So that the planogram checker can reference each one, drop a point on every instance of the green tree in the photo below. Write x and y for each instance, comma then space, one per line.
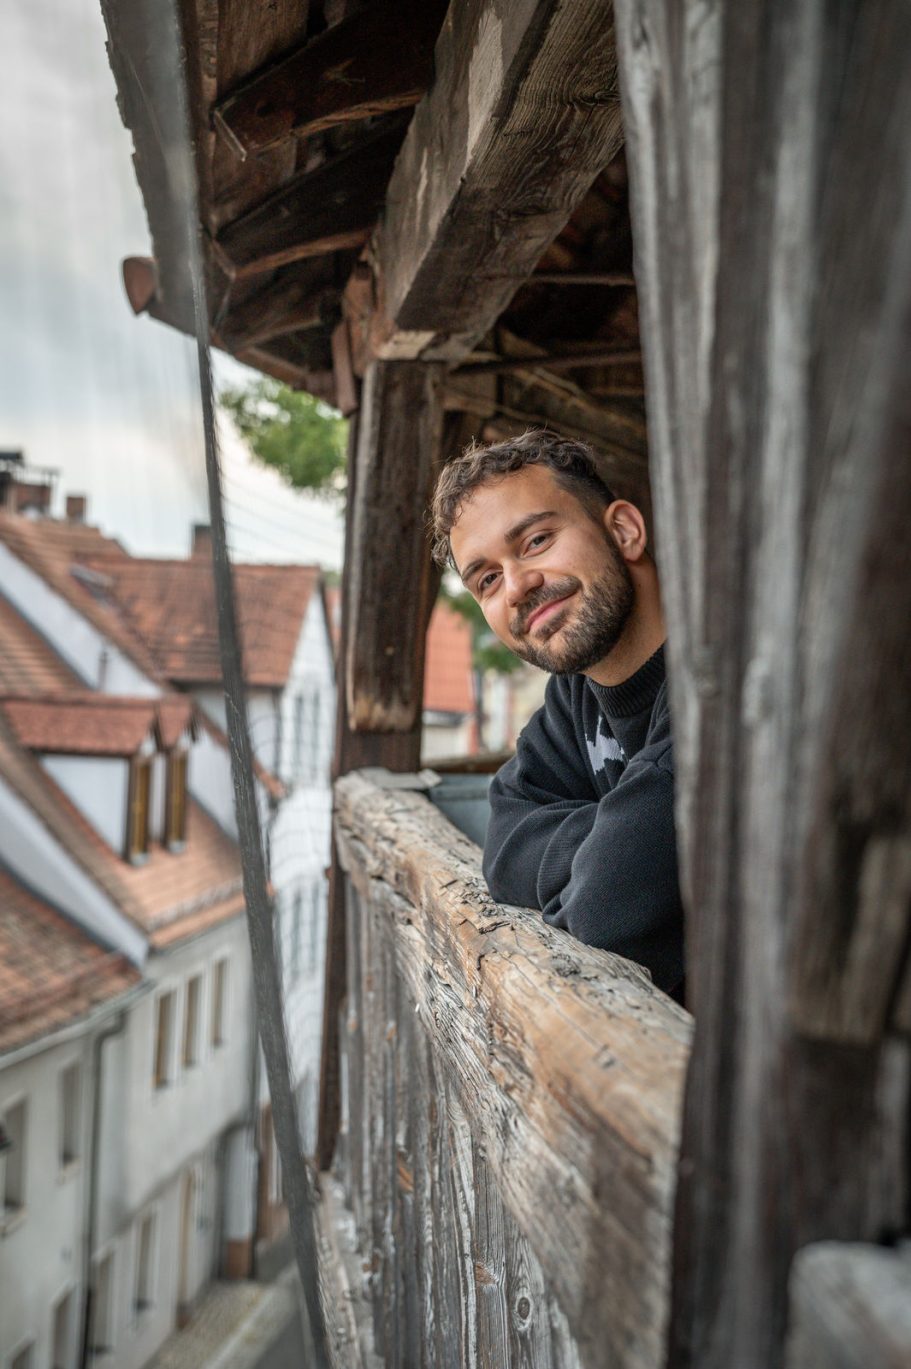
299, 436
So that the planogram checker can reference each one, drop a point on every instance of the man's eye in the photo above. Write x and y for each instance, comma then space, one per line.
486, 581
536, 540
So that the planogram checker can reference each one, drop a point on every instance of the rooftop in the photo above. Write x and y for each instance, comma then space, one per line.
170, 606
28, 664
51, 972
170, 896
82, 723
54, 550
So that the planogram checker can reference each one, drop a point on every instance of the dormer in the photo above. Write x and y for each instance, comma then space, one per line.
122, 762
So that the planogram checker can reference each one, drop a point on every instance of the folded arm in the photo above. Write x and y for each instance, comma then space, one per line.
604, 868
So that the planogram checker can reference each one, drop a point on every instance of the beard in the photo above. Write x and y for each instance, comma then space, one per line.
600, 614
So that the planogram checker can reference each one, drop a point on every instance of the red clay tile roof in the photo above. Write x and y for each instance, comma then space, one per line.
448, 686
51, 973
53, 549
87, 724
28, 665
170, 605
164, 892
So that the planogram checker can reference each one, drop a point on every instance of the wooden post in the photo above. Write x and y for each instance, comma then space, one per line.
387, 591
771, 196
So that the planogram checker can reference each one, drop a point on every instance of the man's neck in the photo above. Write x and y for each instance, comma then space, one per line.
643, 635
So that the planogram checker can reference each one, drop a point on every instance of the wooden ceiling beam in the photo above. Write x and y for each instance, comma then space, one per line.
608, 278
347, 73
514, 88
330, 208
301, 296
553, 361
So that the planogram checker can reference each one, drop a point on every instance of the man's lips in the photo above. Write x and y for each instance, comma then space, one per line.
541, 614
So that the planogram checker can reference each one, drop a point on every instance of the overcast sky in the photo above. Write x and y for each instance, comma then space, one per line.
108, 399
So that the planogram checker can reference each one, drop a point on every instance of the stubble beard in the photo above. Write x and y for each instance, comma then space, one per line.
600, 614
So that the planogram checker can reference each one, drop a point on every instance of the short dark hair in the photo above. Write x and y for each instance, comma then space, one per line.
573, 465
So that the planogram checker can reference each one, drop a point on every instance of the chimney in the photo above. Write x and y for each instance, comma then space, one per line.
202, 540
31, 496
76, 508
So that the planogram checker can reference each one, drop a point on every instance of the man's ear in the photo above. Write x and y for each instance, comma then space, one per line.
625, 524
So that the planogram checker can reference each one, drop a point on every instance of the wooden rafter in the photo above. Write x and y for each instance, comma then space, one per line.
303, 295
343, 75
554, 361
457, 244
317, 212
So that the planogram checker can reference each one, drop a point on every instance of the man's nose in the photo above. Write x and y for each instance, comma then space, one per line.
520, 581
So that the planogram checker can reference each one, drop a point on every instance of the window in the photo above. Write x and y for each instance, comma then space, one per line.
102, 1329
138, 817
13, 1159
297, 755
315, 916
164, 1029
145, 1264
25, 1359
191, 1022
176, 823
70, 1098
219, 1001
62, 1334
297, 917
305, 762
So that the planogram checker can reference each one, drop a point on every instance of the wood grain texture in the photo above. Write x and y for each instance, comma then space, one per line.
399, 447
304, 295
522, 115
850, 1308
330, 208
342, 75
541, 1084
775, 333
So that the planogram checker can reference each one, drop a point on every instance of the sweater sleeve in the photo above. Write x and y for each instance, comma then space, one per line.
603, 868
542, 805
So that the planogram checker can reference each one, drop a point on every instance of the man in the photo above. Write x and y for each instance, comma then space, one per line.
582, 817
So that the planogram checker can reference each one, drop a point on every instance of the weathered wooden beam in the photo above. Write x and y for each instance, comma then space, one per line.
348, 72
515, 87
566, 1067
850, 1307
391, 461
777, 352
551, 361
611, 278
280, 368
318, 211
398, 448
304, 295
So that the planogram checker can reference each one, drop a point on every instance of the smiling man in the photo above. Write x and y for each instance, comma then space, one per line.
582, 817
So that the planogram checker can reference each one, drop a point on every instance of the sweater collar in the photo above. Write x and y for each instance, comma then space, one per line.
635, 694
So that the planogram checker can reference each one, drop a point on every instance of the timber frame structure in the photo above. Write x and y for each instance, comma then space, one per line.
429, 215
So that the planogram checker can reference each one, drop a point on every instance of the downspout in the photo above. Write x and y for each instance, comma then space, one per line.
90, 1224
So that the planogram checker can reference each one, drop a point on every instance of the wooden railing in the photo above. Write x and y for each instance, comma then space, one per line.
510, 1111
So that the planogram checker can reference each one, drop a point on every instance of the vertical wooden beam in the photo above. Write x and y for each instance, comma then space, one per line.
771, 196
398, 451
388, 587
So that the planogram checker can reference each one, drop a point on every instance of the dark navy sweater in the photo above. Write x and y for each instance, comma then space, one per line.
582, 819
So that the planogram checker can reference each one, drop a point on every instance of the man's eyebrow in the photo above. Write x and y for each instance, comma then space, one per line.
513, 535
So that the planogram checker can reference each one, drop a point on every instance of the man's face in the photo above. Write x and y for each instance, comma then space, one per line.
547, 574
